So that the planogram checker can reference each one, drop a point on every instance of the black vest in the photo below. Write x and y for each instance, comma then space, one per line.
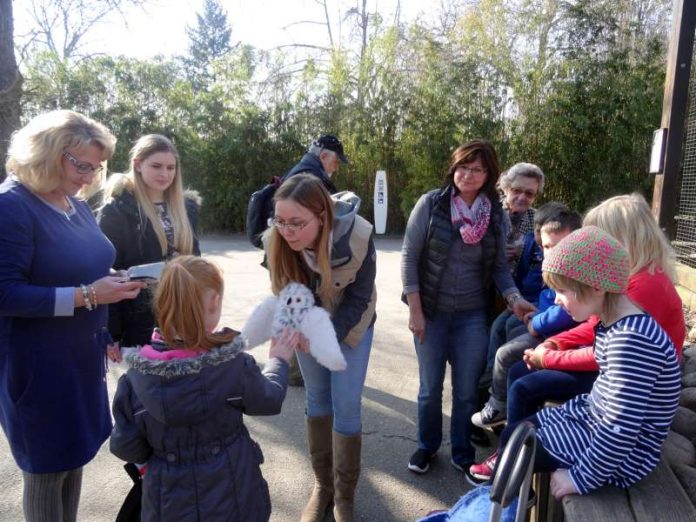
440, 238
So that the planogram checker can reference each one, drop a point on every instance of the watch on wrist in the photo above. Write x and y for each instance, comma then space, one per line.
513, 298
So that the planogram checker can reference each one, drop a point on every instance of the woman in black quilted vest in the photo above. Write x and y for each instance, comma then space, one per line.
453, 255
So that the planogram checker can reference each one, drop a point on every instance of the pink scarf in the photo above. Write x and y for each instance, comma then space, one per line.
471, 222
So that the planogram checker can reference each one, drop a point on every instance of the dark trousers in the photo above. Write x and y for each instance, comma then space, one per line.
529, 389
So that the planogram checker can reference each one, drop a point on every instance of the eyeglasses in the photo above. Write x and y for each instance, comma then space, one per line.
292, 227
83, 168
474, 171
529, 194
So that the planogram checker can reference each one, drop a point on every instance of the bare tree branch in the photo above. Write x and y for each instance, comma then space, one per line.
69, 21
328, 21
309, 46
314, 22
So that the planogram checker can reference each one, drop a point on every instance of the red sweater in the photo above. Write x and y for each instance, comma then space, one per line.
654, 293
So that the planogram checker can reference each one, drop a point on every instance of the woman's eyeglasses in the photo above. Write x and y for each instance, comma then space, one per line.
292, 227
83, 168
474, 171
529, 194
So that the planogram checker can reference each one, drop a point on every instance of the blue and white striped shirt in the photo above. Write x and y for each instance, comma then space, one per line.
614, 434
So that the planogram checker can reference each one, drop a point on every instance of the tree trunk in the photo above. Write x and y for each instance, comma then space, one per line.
10, 82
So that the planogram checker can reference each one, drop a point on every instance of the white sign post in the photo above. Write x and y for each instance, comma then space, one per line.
381, 202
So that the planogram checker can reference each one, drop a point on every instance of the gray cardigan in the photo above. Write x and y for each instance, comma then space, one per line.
462, 286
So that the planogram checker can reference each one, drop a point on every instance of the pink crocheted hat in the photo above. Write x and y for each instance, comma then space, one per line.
592, 257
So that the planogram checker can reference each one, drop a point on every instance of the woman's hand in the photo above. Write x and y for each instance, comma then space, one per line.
303, 345
416, 323
521, 307
285, 344
113, 352
112, 289
561, 485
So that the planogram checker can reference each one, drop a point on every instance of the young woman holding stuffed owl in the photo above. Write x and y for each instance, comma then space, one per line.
320, 241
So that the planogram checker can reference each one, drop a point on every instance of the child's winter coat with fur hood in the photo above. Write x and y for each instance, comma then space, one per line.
181, 412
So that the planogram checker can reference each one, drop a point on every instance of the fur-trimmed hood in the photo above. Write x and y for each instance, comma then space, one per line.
190, 384
120, 186
187, 366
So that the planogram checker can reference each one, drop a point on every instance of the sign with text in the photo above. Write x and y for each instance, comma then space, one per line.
381, 202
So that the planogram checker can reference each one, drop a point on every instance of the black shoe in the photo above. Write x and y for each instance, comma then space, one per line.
478, 437
458, 465
420, 461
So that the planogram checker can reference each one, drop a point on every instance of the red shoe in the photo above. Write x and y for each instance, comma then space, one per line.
484, 471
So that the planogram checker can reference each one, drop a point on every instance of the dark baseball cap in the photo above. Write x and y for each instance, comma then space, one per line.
330, 142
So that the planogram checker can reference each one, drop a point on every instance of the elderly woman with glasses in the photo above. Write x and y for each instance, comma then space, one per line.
319, 240
520, 185
54, 291
453, 256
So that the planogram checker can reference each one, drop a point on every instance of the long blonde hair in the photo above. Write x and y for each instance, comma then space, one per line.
145, 147
180, 302
36, 150
286, 265
628, 218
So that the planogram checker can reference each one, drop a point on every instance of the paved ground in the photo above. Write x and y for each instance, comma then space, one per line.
387, 491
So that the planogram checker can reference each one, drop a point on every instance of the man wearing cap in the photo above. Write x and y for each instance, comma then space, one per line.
322, 160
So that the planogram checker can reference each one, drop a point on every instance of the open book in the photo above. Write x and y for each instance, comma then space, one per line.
150, 272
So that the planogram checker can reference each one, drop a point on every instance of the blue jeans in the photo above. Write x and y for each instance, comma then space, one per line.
459, 338
338, 393
528, 389
507, 355
504, 328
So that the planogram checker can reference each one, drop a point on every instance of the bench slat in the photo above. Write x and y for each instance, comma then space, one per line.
659, 496
607, 503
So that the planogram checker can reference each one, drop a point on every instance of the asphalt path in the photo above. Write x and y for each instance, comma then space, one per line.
387, 490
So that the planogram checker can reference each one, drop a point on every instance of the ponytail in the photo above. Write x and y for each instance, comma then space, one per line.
180, 305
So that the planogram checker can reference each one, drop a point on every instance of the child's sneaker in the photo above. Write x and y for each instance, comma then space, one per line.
484, 471
488, 417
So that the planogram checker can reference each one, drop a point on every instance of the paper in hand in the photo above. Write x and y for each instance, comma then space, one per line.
149, 272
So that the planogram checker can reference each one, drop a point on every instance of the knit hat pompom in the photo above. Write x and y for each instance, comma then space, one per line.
592, 257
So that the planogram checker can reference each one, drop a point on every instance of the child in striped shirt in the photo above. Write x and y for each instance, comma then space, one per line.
614, 433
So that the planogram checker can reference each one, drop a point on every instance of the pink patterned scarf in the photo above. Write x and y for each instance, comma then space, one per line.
471, 222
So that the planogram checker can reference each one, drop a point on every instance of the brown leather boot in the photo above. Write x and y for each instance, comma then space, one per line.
321, 454
346, 473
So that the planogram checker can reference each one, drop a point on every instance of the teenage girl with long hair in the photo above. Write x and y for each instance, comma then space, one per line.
149, 217
319, 240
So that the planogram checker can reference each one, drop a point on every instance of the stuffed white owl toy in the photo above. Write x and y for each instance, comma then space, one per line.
294, 308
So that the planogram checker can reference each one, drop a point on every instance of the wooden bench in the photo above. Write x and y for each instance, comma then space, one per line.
658, 497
